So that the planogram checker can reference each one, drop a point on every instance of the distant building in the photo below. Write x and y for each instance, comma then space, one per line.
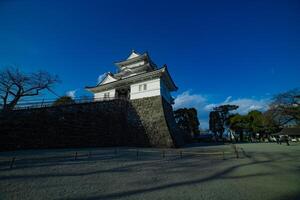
137, 77
292, 132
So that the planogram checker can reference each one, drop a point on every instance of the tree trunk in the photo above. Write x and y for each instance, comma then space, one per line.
11, 105
241, 136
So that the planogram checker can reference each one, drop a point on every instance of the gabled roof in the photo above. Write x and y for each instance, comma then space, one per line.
133, 55
109, 77
133, 70
290, 131
136, 57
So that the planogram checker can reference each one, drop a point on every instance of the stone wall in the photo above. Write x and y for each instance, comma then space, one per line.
140, 122
157, 120
90, 124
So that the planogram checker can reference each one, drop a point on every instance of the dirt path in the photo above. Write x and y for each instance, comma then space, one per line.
269, 171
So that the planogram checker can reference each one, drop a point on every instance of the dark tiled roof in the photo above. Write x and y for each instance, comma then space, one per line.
289, 131
131, 60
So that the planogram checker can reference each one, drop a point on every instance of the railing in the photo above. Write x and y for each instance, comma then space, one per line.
121, 154
27, 104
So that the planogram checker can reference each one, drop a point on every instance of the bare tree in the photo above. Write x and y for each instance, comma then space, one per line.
15, 85
285, 108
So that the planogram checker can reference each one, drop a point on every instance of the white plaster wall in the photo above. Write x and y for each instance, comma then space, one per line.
134, 64
153, 89
100, 95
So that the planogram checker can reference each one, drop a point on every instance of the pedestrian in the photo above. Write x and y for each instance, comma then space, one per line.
287, 140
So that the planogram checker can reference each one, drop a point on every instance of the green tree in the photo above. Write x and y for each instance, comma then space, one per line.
218, 119
254, 122
64, 100
271, 124
239, 124
187, 120
258, 123
215, 123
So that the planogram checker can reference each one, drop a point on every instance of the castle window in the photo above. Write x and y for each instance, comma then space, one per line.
142, 87
106, 95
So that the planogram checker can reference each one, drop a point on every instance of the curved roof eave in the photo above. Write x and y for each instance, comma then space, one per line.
175, 88
131, 60
157, 73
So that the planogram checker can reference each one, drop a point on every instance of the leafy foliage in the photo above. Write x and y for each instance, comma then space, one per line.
216, 123
187, 120
64, 100
218, 118
254, 122
284, 109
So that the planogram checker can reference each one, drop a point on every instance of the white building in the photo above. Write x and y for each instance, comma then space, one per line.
137, 77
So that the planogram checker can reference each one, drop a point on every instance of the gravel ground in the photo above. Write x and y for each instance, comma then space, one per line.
262, 171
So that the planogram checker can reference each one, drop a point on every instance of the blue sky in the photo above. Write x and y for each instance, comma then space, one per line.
239, 52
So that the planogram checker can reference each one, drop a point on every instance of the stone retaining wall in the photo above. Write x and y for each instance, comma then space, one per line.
140, 122
157, 120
